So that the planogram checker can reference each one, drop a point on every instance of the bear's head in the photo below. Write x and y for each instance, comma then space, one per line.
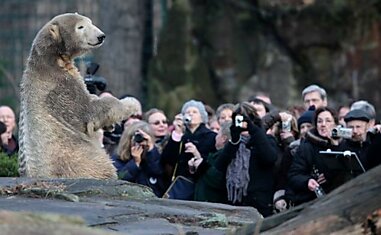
68, 35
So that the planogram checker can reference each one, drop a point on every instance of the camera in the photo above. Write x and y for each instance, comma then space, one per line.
286, 126
187, 119
341, 132
373, 130
3, 128
138, 138
94, 83
238, 121
319, 191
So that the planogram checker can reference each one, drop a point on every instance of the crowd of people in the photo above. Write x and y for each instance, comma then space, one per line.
245, 154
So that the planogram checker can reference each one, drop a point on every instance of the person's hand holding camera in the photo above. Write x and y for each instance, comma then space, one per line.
178, 124
313, 184
136, 153
5, 137
196, 160
146, 139
191, 148
239, 124
250, 126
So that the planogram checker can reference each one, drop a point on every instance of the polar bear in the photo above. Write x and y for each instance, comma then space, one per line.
58, 116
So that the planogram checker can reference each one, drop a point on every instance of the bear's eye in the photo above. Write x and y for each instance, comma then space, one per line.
80, 27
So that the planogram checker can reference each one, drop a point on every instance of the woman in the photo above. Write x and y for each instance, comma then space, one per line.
224, 112
251, 158
159, 125
137, 159
211, 183
309, 173
190, 134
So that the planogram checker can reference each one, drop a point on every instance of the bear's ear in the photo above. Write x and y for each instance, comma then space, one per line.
55, 32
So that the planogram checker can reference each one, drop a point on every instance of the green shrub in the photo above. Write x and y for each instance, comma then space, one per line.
9, 165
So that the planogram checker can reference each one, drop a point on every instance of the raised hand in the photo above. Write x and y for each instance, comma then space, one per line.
179, 124
136, 153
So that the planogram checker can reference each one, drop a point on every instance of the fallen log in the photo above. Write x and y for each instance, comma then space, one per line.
353, 208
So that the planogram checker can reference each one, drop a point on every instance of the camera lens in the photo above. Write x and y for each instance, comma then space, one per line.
187, 119
138, 138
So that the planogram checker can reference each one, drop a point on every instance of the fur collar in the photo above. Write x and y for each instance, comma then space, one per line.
314, 137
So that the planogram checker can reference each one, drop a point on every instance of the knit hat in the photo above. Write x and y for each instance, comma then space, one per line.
357, 114
199, 105
307, 116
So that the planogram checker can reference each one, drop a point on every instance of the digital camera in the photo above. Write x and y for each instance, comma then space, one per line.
341, 132
187, 119
238, 121
319, 191
286, 125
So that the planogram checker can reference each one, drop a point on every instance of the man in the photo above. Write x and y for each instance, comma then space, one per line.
342, 111
368, 108
314, 95
359, 121
8, 140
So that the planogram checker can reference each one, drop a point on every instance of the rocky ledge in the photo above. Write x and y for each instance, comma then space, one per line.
87, 206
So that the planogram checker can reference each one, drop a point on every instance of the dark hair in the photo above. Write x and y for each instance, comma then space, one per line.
328, 109
248, 110
209, 110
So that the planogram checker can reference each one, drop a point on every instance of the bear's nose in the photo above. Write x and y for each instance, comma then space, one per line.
101, 38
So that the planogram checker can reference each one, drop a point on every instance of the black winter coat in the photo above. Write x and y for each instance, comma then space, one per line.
374, 152
173, 153
260, 190
307, 162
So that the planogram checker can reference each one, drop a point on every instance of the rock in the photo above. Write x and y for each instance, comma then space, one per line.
113, 206
24, 223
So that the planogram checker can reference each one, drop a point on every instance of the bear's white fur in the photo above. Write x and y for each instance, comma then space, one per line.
59, 117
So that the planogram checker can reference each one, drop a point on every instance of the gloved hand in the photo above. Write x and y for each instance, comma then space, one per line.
194, 163
250, 126
235, 131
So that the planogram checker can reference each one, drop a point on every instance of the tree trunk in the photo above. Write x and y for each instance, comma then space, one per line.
121, 55
353, 208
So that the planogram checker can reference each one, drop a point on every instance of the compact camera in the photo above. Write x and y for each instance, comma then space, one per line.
342, 132
138, 138
238, 121
286, 125
319, 191
187, 119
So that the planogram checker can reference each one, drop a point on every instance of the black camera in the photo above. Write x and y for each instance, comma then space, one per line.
94, 83
3, 128
138, 138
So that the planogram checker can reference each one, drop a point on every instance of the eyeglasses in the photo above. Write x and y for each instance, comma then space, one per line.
164, 122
